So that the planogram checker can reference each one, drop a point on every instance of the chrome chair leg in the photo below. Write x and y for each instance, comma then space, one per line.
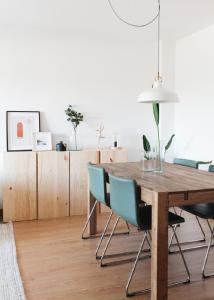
103, 234
140, 292
87, 222
204, 275
108, 242
182, 255
107, 235
191, 241
129, 294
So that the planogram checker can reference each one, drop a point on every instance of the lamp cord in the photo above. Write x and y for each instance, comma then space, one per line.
159, 13
157, 16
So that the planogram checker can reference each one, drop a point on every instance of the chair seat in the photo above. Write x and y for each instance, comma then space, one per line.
204, 211
146, 218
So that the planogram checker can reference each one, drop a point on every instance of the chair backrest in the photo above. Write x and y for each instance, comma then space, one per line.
97, 182
211, 168
186, 162
124, 198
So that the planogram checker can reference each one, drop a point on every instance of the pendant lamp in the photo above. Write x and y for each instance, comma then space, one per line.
157, 93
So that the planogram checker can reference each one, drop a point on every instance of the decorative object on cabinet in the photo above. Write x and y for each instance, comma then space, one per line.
61, 146
100, 135
20, 126
42, 141
75, 118
115, 141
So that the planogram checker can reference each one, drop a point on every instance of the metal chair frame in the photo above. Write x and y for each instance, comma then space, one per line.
204, 274
104, 234
188, 242
145, 238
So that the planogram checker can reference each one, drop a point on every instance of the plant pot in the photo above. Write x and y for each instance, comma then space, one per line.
147, 161
159, 157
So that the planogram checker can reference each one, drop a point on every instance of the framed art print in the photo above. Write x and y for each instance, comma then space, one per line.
20, 126
42, 141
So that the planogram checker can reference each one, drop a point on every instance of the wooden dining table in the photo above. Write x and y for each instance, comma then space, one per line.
176, 186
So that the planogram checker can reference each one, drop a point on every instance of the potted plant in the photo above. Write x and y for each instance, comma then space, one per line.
160, 150
75, 118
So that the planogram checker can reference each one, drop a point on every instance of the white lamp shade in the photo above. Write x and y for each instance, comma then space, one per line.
157, 94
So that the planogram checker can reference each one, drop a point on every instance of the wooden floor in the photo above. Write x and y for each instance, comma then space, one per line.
56, 264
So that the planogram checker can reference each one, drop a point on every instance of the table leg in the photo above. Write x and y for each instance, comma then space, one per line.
92, 226
159, 273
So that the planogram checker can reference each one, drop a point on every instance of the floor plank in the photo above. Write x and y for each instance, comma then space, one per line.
56, 264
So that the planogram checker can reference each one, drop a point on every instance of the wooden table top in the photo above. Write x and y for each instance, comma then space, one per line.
175, 179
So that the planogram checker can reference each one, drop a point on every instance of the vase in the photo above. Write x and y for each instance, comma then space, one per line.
75, 144
147, 161
159, 157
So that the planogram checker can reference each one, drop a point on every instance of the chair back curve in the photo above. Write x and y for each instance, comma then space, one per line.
186, 162
97, 183
124, 198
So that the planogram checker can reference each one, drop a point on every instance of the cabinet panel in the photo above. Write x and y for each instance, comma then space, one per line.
20, 186
53, 184
79, 179
113, 155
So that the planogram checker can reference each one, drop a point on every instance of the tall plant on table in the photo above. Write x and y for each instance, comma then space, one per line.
159, 158
75, 118
146, 144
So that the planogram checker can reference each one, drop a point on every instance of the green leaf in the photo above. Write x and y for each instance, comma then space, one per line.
146, 144
169, 142
73, 116
156, 112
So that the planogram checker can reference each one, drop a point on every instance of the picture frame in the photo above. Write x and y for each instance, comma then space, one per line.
20, 126
42, 141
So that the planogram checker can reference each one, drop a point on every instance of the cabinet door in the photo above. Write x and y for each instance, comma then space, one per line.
113, 156
79, 179
20, 186
53, 184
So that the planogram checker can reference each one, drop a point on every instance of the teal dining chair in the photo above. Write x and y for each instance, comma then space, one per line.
195, 165
125, 201
205, 211
98, 188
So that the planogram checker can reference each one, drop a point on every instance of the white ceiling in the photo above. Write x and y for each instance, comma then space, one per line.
178, 17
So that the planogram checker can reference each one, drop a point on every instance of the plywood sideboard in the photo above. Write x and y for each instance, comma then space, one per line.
50, 184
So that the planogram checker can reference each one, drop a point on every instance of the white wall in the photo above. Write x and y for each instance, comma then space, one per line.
101, 77
194, 81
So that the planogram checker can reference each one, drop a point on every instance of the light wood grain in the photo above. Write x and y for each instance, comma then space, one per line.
55, 264
53, 184
113, 155
19, 187
79, 179
175, 179
159, 272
